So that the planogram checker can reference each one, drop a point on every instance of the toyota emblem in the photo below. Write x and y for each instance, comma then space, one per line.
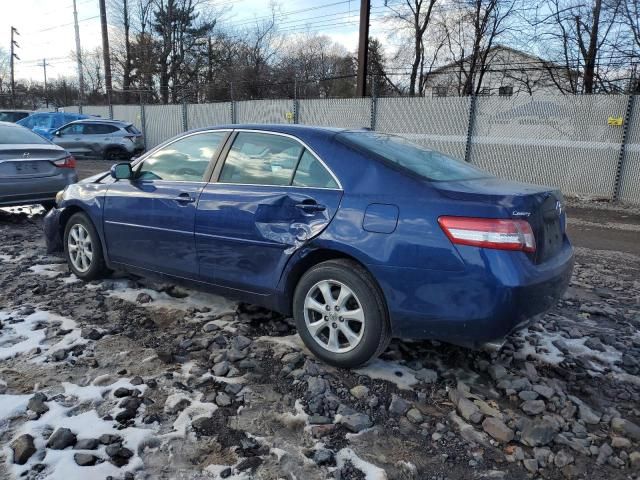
26, 155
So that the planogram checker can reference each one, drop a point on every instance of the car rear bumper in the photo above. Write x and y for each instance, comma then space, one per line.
16, 191
497, 293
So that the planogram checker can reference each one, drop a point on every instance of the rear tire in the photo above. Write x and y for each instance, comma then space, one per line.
82, 248
355, 332
117, 154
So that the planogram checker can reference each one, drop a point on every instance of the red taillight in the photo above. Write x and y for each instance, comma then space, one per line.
67, 162
495, 233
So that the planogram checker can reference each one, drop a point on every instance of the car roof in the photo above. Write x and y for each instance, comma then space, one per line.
11, 124
288, 128
100, 120
14, 110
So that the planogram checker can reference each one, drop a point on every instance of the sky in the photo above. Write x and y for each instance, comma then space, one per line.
46, 26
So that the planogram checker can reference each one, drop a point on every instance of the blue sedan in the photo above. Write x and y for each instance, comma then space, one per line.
361, 236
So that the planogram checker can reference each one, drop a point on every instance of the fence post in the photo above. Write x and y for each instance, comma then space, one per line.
470, 126
295, 100
374, 103
143, 122
233, 105
110, 110
623, 146
185, 121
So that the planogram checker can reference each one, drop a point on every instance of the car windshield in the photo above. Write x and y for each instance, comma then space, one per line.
429, 164
19, 135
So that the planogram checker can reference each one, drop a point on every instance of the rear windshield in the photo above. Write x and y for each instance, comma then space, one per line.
12, 116
132, 129
19, 135
426, 163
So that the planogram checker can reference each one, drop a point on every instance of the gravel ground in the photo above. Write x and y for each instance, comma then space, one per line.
128, 378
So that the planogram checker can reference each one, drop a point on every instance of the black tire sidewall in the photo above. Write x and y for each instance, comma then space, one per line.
368, 295
97, 262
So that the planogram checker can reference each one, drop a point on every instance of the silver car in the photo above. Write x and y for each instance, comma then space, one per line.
32, 169
98, 138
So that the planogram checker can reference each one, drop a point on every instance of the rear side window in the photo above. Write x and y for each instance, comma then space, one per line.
311, 173
261, 159
429, 164
19, 135
185, 160
99, 129
40, 121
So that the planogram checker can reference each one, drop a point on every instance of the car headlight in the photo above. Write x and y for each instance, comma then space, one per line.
59, 197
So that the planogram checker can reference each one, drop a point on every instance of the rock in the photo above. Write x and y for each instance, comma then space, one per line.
108, 439
137, 380
90, 333
546, 392
634, 459
604, 453
205, 426
415, 416
250, 463
562, 459
210, 327
626, 428
537, 433
469, 433
36, 403
542, 456
240, 342
122, 392
221, 369
356, 422
497, 429
528, 395
143, 298
531, 464
587, 415
359, 391
292, 358
233, 388
497, 372
533, 407
119, 455
125, 415
23, 447
469, 410
59, 355
620, 442
427, 375
226, 473
87, 444
85, 459
316, 386
223, 400
323, 456
398, 406
61, 439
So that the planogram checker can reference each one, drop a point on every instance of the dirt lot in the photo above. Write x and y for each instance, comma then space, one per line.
132, 379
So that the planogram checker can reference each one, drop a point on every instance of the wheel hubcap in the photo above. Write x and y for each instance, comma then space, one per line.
80, 248
334, 316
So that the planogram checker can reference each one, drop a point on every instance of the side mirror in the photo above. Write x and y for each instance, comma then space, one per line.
57, 133
121, 171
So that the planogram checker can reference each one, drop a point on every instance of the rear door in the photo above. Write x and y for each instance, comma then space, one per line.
273, 194
149, 220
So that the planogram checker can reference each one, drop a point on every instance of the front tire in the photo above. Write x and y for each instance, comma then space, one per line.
340, 313
82, 248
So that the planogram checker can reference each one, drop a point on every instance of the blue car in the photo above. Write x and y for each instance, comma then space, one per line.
45, 123
361, 236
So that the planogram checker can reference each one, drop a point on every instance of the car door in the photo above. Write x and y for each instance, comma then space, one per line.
69, 137
149, 220
97, 136
263, 206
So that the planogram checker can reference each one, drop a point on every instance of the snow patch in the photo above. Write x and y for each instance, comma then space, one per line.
50, 270
371, 472
392, 372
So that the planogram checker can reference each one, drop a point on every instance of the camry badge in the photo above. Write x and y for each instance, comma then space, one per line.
521, 214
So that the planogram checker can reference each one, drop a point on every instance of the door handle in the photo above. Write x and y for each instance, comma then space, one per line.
311, 207
184, 198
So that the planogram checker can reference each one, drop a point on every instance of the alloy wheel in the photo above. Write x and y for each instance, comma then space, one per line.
80, 247
334, 316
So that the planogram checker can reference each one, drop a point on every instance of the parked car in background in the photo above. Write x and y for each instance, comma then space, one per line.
361, 236
45, 123
111, 139
13, 115
32, 169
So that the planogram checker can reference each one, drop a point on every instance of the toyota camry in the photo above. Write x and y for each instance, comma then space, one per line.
360, 236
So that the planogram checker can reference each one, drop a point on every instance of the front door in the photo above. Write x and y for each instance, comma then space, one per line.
70, 138
272, 196
149, 220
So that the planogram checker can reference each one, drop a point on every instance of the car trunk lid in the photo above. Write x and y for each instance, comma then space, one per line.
542, 207
27, 161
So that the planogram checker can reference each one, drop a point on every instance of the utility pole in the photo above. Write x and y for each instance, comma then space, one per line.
105, 50
44, 66
78, 56
14, 31
363, 47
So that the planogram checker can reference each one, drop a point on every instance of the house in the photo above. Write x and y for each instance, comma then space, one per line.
507, 72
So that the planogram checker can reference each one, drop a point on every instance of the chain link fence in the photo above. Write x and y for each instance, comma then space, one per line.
585, 145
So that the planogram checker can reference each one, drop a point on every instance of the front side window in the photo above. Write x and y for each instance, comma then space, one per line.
429, 164
75, 129
311, 173
186, 159
261, 159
